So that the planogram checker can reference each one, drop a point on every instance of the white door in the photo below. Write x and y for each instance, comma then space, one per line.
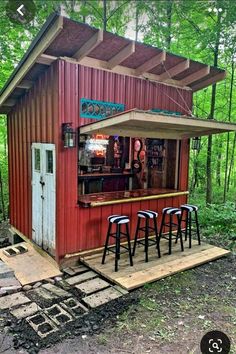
43, 196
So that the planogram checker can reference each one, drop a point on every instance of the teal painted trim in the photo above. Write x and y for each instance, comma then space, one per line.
164, 111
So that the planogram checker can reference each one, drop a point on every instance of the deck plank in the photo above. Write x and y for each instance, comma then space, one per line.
157, 268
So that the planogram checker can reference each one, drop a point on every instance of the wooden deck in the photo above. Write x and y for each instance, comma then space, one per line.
157, 268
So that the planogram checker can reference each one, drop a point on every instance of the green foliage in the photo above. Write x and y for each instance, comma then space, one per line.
183, 27
218, 222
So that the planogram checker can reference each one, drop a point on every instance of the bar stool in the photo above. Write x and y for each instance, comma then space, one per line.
186, 217
118, 220
147, 215
171, 212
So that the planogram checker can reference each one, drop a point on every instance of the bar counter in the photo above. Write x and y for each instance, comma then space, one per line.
110, 198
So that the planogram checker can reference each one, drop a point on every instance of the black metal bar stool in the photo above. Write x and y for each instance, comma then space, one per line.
171, 212
147, 215
118, 220
186, 216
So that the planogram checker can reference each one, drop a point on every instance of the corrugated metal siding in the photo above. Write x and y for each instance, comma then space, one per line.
78, 228
34, 119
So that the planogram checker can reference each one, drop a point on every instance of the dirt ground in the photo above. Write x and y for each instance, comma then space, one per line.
168, 316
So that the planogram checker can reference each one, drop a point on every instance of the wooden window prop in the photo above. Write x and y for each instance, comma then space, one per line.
99, 109
156, 154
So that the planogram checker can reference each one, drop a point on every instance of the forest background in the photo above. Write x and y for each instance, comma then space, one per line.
201, 30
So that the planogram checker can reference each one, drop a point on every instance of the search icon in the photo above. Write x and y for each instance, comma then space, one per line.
215, 342
215, 346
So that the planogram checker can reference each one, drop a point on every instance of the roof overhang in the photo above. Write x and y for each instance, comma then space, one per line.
62, 38
146, 124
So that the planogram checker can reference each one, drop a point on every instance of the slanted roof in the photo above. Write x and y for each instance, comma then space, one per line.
148, 124
61, 37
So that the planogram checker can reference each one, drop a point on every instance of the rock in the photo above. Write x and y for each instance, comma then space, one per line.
50, 280
27, 287
37, 285
58, 278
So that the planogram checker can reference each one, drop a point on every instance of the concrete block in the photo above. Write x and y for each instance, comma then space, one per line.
69, 271
43, 293
81, 277
8, 301
11, 289
9, 282
80, 269
25, 310
92, 285
5, 271
121, 290
2, 292
37, 285
56, 290
41, 324
101, 297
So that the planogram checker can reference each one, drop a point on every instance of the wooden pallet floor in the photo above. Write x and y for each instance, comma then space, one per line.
157, 268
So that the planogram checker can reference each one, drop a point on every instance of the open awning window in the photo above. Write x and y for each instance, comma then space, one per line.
147, 124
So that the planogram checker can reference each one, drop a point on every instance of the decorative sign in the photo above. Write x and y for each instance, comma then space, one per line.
99, 109
156, 154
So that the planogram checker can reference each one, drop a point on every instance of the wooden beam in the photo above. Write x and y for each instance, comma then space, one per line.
50, 35
175, 70
151, 63
10, 102
46, 59
197, 75
90, 45
121, 56
119, 69
25, 84
212, 80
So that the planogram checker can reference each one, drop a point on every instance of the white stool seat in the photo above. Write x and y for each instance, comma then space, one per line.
149, 214
173, 211
190, 207
118, 219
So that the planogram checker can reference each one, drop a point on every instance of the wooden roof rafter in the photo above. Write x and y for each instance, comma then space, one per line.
175, 70
151, 63
121, 55
89, 46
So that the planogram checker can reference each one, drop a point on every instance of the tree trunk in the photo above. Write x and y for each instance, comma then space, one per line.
226, 185
231, 162
218, 164
211, 116
84, 17
136, 22
169, 23
104, 15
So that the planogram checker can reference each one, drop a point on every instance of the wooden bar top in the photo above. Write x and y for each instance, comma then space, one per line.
108, 198
97, 175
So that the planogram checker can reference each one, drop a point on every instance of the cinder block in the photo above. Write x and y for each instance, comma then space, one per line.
41, 324
81, 277
25, 310
56, 290
101, 297
58, 315
8, 301
74, 307
92, 285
